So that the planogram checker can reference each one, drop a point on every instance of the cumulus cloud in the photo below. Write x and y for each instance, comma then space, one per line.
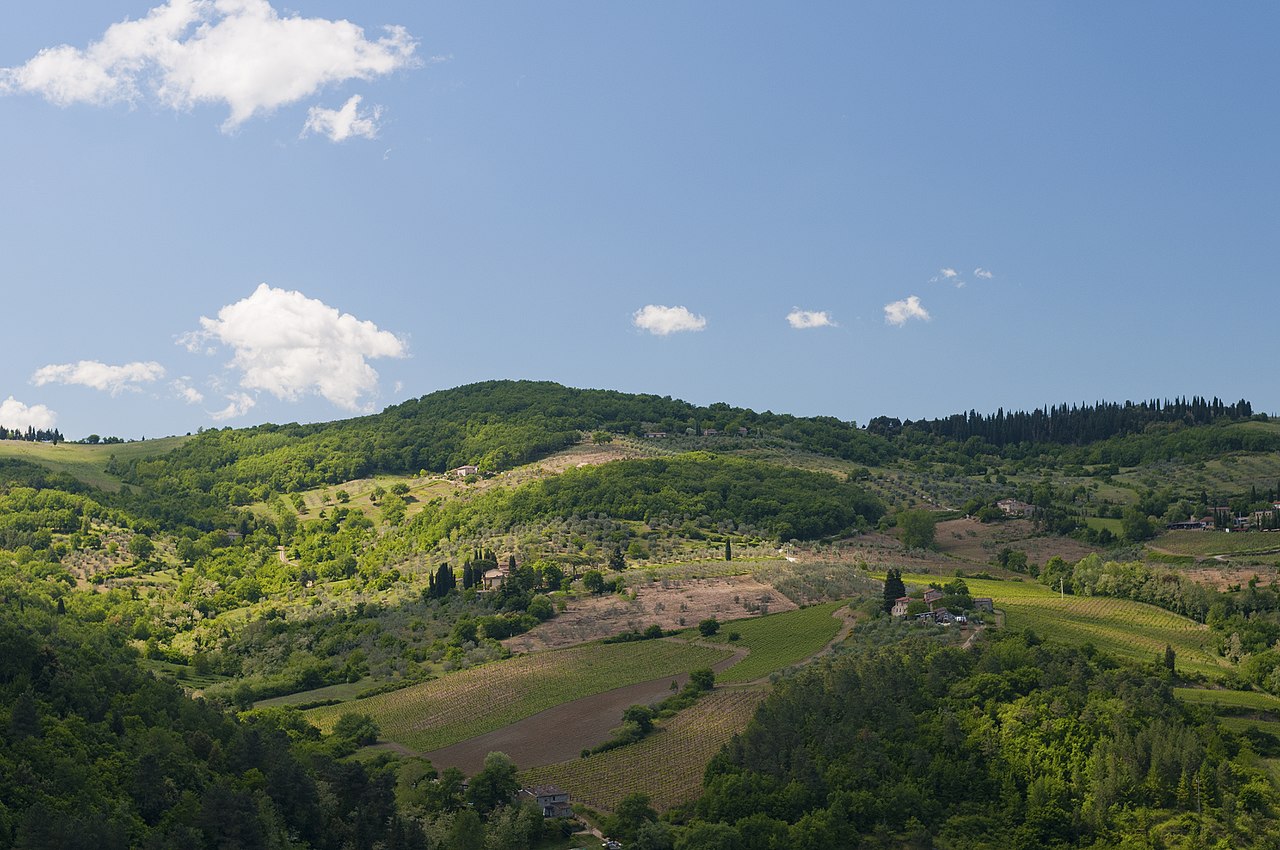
341, 124
186, 392
982, 273
15, 414
660, 320
99, 376
240, 53
802, 319
898, 312
237, 405
289, 345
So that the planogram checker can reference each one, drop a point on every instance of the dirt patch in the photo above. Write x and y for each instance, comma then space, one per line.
561, 733
670, 603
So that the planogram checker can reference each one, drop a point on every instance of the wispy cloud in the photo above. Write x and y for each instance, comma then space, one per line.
982, 273
803, 319
341, 124
289, 345
897, 313
240, 53
99, 376
15, 414
660, 320
948, 275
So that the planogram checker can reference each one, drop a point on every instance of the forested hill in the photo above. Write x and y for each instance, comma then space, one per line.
1069, 424
494, 425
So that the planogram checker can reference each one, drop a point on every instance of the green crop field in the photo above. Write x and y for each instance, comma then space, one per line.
1221, 699
1099, 523
1205, 543
472, 702
778, 640
83, 462
1240, 724
1117, 626
668, 764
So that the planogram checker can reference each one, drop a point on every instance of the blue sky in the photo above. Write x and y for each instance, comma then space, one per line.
204, 226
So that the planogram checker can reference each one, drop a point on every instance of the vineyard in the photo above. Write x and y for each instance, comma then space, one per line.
472, 702
1118, 626
1205, 543
668, 765
1238, 700
779, 640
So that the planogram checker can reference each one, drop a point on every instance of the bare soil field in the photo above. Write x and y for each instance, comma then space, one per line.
1221, 575
670, 603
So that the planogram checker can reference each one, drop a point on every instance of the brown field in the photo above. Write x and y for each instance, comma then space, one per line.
970, 540
670, 603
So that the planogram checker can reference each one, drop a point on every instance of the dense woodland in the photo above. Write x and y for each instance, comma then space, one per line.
1013, 745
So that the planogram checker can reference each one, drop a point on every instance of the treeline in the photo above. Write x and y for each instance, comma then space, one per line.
782, 502
1070, 424
1013, 744
31, 434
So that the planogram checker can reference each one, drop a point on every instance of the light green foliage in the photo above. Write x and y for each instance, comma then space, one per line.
917, 528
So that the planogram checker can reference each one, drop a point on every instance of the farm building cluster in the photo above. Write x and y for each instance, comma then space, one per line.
936, 613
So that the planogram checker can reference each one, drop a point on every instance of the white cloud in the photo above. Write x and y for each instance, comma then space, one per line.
660, 320
238, 405
982, 273
288, 344
802, 319
99, 376
341, 124
15, 414
948, 275
186, 392
898, 312
241, 53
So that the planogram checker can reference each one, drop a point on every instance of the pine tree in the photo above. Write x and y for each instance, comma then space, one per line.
617, 561
728, 551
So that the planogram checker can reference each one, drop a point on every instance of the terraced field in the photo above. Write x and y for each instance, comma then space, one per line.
1118, 626
779, 640
668, 765
472, 702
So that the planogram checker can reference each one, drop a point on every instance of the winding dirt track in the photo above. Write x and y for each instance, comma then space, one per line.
562, 732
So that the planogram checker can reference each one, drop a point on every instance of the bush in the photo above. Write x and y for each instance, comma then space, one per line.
709, 627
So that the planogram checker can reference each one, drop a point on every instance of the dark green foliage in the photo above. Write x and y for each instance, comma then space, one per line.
894, 587
917, 528
1012, 744
728, 550
616, 560
708, 627
359, 729
495, 785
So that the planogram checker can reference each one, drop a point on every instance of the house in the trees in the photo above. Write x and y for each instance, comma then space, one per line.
932, 597
493, 579
900, 606
984, 603
1015, 507
464, 471
552, 800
